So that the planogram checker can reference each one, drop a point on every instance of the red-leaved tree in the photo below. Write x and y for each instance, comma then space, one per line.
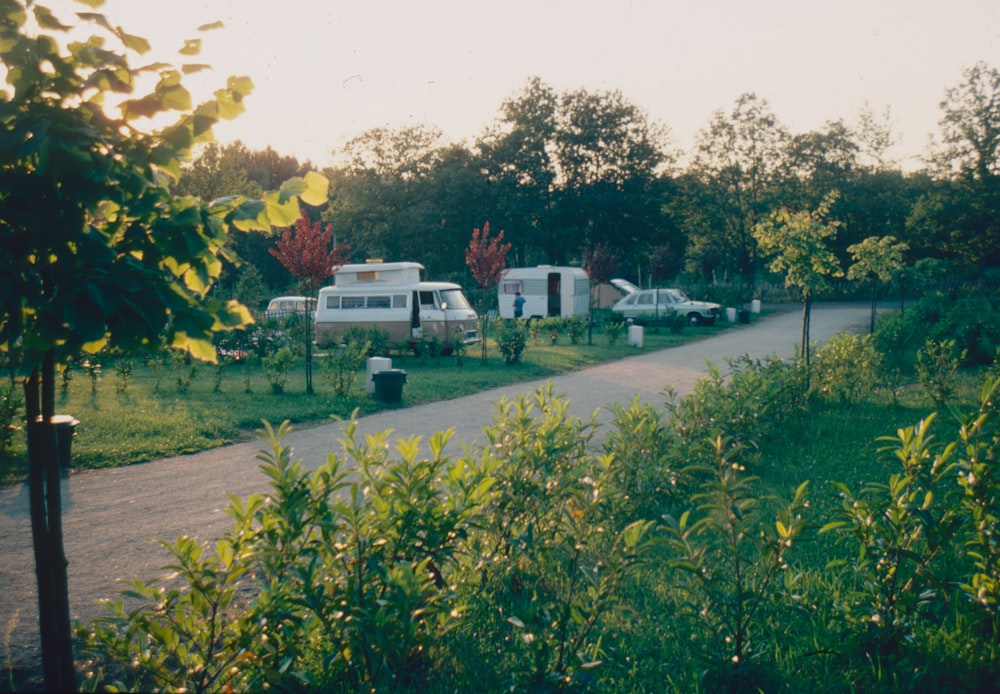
600, 263
305, 252
486, 259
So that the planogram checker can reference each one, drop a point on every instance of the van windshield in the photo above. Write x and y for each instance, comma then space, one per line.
454, 298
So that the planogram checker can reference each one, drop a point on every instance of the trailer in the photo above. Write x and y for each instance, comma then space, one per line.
548, 291
393, 298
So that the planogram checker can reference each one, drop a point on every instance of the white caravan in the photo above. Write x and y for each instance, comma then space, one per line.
391, 297
548, 290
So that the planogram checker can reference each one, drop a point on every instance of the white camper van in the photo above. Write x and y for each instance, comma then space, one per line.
391, 297
548, 290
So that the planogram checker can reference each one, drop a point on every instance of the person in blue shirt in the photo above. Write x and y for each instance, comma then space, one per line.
518, 305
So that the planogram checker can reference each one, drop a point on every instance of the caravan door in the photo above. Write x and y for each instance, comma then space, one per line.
555, 295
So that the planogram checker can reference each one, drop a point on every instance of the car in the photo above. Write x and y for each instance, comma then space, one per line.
651, 304
283, 306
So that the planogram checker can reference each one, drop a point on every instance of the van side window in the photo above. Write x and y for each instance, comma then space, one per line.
333, 302
352, 302
379, 302
399, 300
427, 300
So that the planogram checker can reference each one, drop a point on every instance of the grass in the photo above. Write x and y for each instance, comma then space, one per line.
153, 417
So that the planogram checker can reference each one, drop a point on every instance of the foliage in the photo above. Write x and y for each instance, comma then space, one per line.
89, 218
937, 364
10, 420
277, 365
486, 259
614, 330
340, 365
876, 260
797, 242
847, 368
306, 253
512, 339
554, 560
729, 567
575, 326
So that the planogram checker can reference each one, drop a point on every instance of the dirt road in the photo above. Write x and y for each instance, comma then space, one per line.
113, 517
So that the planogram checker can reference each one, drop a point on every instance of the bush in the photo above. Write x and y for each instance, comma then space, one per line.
341, 364
846, 369
512, 339
11, 406
276, 365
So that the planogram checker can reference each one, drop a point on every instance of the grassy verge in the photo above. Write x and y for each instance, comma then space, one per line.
155, 416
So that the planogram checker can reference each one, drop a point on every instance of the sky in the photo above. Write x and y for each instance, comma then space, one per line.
325, 71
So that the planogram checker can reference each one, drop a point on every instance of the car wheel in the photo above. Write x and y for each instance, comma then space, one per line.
694, 319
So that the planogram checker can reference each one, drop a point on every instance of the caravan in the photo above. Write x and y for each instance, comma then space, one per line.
548, 290
392, 298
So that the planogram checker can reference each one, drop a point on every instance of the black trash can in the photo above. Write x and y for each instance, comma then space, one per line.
389, 384
744, 316
65, 426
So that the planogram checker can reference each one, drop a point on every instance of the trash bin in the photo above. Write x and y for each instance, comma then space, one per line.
731, 315
65, 431
389, 384
744, 316
374, 365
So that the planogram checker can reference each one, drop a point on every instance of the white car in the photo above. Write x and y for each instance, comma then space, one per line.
282, 306
650, 304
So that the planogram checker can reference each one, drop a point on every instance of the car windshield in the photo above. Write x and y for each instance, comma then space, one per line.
454, 298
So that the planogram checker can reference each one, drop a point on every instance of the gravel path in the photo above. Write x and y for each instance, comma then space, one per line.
113, 517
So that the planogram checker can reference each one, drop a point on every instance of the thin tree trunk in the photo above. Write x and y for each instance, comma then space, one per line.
45, 497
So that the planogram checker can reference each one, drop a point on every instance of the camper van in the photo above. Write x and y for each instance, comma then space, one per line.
548, 290
392, 297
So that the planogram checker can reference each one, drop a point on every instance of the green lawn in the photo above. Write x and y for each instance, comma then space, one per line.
153, 416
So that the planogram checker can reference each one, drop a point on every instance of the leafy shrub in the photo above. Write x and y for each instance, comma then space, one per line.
846, 369
277, 365
321, 584
732, 569
512, 339
576, 328
11, 406
937, 364
552, 328
614, 330
341, 364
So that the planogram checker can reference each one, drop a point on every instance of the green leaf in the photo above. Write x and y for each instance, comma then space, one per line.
279, 213
317, 189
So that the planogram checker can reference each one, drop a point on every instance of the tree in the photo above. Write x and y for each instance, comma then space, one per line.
797, 242
970, 127
95, 248
740, 158
600, 263
306, 253
876, 260
486, 259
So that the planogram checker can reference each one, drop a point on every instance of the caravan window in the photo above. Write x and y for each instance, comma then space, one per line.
399, 300
333, 302
512, 286
352, 302
379, 302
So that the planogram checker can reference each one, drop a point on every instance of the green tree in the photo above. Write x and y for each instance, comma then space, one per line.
876, 260
740, 158
96, 248
797, 244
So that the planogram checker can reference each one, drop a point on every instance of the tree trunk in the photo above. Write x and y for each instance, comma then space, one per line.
45, 497
871, 328
806, 316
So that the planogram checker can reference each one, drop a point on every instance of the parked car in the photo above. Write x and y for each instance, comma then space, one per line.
652, 304
284, 306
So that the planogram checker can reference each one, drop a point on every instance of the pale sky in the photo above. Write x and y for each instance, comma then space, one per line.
327, 70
